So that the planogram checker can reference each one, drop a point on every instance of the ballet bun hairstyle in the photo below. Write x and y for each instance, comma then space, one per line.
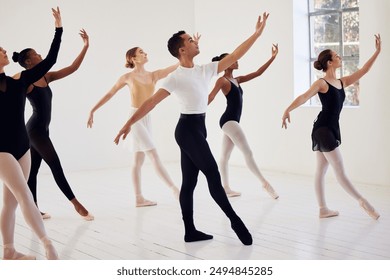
21, 57
322, 61
219, 57
129, 55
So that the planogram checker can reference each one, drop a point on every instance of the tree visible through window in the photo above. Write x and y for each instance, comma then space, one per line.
334, 24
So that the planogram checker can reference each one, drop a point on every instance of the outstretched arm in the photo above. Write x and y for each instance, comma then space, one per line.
245, 46
248, 77
56, 75
145, 108
162, 73
118, 85
218, 86
349, 80
318, 86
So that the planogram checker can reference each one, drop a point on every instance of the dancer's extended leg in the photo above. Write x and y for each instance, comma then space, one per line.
233, 130
191, 136
227, 148
43, 147
162, 172
336, 161
14, 174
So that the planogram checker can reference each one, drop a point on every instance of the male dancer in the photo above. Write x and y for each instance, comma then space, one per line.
190, 84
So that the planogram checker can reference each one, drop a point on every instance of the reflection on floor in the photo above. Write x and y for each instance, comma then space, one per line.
283, 229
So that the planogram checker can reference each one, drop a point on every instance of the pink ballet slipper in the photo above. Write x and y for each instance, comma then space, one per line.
88, 217
369, 209
231, 193
45, 216
16, 255
326, 213
146, 203
270, 191
51, 252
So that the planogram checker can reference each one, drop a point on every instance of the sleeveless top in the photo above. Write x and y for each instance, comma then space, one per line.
140, 92
40, 99
326, 134
234, 104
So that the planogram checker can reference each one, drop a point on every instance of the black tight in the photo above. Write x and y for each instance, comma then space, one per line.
42, 148
196, 156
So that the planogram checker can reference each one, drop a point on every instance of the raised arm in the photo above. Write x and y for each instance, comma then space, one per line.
250, 76
56, 75
118, 85
318, 86
217, 87
34, 74
145, 108
245, 46
349, 80
162, 73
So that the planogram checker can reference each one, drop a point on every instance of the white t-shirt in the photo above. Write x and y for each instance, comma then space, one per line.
191, 86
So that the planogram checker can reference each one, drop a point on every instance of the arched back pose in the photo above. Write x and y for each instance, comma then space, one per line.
190, 84
326, 131
230, 119
40, 96
141, 84
15, 159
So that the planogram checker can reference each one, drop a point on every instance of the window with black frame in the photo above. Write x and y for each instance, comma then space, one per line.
334, 24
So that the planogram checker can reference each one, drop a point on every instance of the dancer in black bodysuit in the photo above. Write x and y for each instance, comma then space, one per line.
40, 96
326, 132
14, 151
230, 119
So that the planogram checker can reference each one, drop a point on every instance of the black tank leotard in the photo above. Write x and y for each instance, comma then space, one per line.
14, 138
40, 99
234, 105
326, 134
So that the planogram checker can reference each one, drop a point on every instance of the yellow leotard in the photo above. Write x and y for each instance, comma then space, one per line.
140, 92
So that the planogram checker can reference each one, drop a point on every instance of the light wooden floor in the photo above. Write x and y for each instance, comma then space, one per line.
286, 229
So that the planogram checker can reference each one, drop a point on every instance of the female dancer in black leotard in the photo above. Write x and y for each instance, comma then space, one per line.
14, 151
229, 122
326, 132
40, 96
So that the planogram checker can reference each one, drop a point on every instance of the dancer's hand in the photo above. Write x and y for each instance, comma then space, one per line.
122, 133
261, 22
57, 16
90, 120
85, 37
196, 37
378, 43
275, 50
286, 116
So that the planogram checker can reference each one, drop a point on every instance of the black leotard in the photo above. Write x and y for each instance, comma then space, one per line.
234, 105
14, 139
40, 99
326, 134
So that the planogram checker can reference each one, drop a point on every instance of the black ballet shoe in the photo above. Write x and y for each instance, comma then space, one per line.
242, 232
196, 235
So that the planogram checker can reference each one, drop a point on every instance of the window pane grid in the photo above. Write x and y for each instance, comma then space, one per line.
334, 24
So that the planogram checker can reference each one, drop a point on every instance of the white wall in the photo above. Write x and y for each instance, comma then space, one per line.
114, 28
